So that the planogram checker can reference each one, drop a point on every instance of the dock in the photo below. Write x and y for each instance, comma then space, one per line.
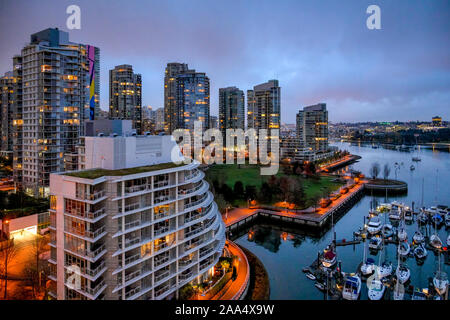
310, 218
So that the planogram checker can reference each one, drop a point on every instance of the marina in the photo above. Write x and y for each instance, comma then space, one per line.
292, 250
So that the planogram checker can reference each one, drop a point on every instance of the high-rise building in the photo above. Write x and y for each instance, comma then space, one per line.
172, 116
57, 88
7, 83
138, 227
213, 122
312, 128
192, 99
125, 95
231, 109
186, 97
159, 119
263, 106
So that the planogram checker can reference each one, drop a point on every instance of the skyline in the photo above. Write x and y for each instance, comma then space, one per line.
337, 45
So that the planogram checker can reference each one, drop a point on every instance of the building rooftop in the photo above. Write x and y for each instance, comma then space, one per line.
99, 172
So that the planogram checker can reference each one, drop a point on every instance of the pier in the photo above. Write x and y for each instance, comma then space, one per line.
311, 218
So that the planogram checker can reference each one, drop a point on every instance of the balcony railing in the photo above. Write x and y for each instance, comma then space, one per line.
185, 276
161, 260
132, 275
161, 230
132, 224
132, 292
132, 258
183, 192
130, 207
204, 252
160, 184
160, 276
192, 204
93, 291
137, 188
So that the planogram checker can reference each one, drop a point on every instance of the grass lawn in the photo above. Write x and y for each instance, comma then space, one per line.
250, 175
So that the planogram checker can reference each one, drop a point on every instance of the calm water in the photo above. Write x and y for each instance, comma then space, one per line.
284, 254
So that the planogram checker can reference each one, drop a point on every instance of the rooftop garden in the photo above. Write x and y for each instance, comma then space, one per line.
98, 173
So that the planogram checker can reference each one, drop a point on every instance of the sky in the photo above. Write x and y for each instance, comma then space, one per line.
319, 50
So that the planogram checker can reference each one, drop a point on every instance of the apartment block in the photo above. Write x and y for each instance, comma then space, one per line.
125, 95
312, 128
134, 225
7, 83
231, 109
57, 89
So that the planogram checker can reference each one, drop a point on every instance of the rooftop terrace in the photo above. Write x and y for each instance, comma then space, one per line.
97, 173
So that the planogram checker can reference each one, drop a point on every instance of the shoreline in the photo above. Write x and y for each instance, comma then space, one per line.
259, 287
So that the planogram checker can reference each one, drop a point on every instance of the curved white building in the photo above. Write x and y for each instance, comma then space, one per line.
140, 227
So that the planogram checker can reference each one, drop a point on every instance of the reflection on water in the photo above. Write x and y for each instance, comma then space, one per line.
284, 251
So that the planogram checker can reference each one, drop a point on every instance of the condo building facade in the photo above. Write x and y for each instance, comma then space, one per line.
312, 128
7, 83
231, 109
172, 116
56, 89
186, 98
125, 95
138, 227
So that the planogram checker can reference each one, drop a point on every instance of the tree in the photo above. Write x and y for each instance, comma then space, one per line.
7, 254
238, 190
386, 171
375, 170
250, 192
221, 203
266, 192
225, 264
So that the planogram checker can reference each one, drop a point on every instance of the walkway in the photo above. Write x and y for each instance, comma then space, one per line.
238, 214
234, 290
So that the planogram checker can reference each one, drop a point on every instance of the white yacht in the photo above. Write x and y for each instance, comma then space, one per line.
376, 289
418, 237
403, 249
375, 243
352, 287
374, 225
420, 251
403, 273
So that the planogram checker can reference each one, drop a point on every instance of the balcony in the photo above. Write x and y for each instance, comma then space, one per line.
130, 207
192, 204
161, 260
132, 275
161, 231
132, 259
132, 224
204, 252
185, 192
93, 291
185, 276
160, 184
161, 275
132, 292
136, 188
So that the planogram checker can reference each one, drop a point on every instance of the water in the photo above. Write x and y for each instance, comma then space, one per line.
284, 254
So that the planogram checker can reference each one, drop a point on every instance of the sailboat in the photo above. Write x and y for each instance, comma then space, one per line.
402, 234
399, 290
385, 269
368, 266
440, 280
420, 251
435, 241
418, 237
416, 158
375, 286
402, 272
403, 249
387, 230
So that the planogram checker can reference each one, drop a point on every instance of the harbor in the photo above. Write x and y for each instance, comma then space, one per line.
291, 249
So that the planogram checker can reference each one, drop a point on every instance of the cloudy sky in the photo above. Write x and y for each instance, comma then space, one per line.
319, 50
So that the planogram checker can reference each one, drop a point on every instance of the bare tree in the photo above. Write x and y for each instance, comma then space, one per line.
375, 170
7, 253
40, 246
386, 171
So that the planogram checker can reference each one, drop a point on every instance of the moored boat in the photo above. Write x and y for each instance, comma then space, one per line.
352, 287
375, 243
418, 237
387, 230
403, 249
376, 289
374, 225
435, 241
385, 269
403, 273
420, 252
368, 267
